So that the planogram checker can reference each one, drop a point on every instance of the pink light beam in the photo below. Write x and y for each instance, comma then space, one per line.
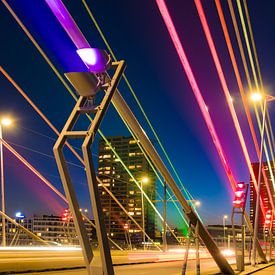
203, 107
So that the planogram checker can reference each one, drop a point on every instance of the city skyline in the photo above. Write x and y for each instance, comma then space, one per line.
190, 128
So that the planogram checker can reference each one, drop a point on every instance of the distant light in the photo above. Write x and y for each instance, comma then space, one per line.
145, 180
228, 252
98, 61
256, 96
19, 215
197, 203
225, 216
39, 248
6, 121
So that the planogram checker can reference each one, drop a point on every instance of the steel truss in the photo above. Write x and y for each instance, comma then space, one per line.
81, 107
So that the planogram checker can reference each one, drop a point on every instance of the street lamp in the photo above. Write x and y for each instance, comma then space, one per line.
144, 180
194, 203
225, 217
258, 97
5, 121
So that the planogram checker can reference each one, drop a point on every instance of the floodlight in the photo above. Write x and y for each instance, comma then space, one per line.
6, 121
85, 83
256, 96
97, 60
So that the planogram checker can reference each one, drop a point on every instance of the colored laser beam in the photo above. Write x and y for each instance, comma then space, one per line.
268, 128
241, 48
79, 40
241, 89
30, 167
224, 86
69, 146
203, 107
187, 193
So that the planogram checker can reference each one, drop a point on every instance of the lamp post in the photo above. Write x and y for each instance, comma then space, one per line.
258, 97
223, 222
164, 240
143, 180
4, 122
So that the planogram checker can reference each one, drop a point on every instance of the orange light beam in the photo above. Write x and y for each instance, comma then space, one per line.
241, 89
224, 86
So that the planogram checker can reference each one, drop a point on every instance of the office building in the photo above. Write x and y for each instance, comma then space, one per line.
115, 177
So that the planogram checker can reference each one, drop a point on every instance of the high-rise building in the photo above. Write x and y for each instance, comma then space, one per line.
115, 177
264, 195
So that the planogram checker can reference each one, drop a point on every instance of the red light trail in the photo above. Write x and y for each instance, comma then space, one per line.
187, 68
240, 85
225, 89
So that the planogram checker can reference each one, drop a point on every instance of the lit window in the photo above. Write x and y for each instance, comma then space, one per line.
132, 141
39, 234
106, 172
138, 208
139, 166
132, 154
108, 168
103, 193
131, 166
107, 148
131, 192
106, 156
131, 213
138, 213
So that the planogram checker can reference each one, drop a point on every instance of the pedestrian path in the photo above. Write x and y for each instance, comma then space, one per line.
260, 269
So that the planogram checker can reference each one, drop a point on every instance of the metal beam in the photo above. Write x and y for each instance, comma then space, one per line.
69, 25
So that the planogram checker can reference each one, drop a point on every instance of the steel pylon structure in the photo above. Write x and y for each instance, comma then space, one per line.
84, 107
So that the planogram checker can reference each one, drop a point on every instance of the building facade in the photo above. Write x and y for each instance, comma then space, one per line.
264, 196
54, 229
115, 177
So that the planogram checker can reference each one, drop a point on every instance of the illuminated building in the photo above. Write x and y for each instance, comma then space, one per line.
116, 179
264, 196
53, 229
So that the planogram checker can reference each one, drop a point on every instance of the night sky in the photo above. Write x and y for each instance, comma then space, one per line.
136, 33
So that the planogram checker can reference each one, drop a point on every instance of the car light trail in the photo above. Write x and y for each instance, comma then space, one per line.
187, 68
39, 248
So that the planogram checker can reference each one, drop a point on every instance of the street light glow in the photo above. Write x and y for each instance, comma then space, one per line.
145, 180
96, 60
6, 121
197, 203
225, 217
256, 96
